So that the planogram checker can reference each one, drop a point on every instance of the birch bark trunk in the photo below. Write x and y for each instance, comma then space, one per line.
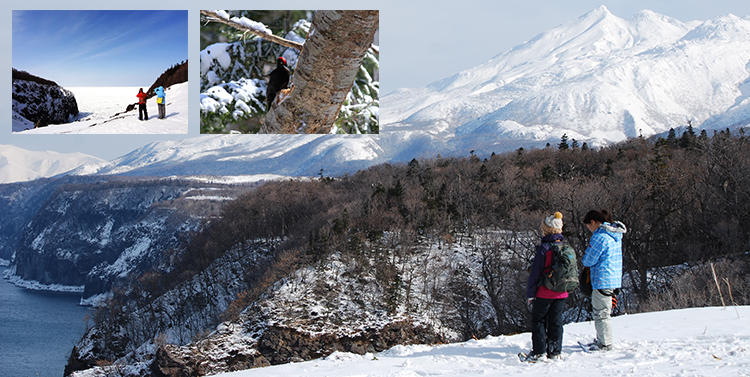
325, 72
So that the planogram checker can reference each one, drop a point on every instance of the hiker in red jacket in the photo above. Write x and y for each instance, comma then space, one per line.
142, 112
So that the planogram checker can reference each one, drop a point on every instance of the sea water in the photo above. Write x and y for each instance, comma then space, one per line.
37, 330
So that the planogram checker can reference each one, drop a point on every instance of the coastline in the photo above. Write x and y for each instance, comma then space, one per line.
9, 274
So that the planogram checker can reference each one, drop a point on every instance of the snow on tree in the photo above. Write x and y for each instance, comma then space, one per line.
241, 53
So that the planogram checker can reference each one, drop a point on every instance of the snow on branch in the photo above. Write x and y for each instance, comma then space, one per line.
247, 27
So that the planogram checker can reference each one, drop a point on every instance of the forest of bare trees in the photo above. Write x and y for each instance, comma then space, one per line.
685, 200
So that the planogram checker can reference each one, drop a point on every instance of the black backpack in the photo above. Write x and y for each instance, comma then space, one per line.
562, 276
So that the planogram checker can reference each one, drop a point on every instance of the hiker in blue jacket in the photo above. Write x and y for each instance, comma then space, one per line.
604, 257
161, 101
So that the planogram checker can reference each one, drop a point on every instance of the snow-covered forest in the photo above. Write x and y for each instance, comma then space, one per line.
235, 65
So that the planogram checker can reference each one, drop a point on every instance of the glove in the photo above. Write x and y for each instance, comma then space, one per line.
530, 303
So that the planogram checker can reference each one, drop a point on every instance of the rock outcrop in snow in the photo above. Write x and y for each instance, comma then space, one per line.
41, 102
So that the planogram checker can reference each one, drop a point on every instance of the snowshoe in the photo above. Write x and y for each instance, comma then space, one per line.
594, 346
530, 357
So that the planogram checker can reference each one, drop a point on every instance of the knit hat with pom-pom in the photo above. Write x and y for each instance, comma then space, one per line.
553, 224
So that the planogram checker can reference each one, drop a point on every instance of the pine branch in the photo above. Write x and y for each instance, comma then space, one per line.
269, 37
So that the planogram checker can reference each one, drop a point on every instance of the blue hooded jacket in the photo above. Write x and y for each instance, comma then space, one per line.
604, 256
160, 93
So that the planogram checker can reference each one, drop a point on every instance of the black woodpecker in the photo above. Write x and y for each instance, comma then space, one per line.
278, 79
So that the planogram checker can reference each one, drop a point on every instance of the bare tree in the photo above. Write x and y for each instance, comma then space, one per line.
326, 69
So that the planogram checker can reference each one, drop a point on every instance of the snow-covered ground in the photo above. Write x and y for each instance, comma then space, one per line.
688, 342
98, 106
103, 102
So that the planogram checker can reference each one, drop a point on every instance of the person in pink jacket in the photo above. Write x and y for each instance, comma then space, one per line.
546, 305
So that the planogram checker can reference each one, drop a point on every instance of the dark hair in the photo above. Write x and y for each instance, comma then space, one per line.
601, 216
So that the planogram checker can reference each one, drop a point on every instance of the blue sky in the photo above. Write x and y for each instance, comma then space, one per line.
99, 48
421, 41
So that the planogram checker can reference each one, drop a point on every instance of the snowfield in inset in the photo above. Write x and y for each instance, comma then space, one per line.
98, 106
103, 102
687, 342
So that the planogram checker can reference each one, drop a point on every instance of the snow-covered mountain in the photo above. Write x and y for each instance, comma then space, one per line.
598, 78
232, 155
17, 164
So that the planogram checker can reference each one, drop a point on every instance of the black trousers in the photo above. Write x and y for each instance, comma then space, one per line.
142, 111
547, 325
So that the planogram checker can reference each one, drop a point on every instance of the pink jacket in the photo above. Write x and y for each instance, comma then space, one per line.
542, 263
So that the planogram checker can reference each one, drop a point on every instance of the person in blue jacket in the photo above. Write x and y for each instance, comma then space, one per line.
161, 101
604, 257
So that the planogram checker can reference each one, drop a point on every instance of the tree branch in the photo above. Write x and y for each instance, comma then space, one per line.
269, 37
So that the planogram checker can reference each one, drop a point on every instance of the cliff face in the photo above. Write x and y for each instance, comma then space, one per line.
303, 316
108, 230
18, 204
85, 235
42, 101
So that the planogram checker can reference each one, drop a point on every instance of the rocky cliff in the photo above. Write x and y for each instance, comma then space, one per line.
18, 204
41, 101
301, 317
85, 234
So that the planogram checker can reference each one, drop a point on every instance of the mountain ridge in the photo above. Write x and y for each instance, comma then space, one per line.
598, 78
18, 164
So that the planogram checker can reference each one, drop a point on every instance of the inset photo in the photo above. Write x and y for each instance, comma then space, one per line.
289, 72
100, 72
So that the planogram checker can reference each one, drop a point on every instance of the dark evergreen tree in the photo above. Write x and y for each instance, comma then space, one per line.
672, 138
563, 143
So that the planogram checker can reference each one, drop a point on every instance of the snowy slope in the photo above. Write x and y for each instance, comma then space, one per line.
688, 342
598, 78
17, 164
232, 155
176, 121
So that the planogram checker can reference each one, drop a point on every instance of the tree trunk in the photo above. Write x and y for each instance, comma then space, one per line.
327, 66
